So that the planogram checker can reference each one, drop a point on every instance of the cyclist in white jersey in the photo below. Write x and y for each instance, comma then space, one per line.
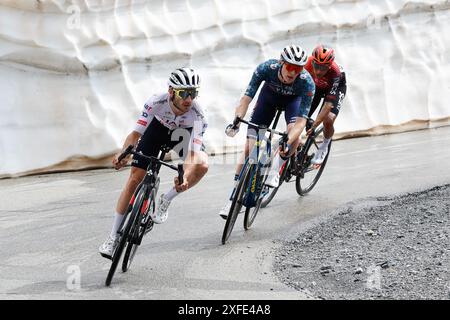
174, 119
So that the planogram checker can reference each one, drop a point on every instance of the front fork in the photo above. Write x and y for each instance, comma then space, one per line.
152, 181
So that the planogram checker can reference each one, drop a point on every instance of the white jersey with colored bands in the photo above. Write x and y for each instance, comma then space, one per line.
158, 107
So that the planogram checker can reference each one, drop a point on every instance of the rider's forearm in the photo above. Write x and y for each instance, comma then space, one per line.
242, 108
132, 138
323, 113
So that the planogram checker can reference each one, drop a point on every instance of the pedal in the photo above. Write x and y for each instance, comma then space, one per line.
106, 256
149, 227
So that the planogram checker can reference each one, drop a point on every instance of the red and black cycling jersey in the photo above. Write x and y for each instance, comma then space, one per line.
327, 86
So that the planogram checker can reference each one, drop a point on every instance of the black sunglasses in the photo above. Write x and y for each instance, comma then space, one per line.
321, 67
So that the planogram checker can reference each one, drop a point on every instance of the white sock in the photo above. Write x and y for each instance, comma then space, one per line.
171, 194
276, 164
118, 218
325, 143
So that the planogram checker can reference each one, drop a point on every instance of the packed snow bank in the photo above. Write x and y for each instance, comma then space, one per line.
75, 74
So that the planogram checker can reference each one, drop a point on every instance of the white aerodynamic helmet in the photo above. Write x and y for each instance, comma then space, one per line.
184, 78
294, 54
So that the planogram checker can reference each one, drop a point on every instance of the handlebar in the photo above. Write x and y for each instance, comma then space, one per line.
125, 153
284, 135
309, 123
129, 150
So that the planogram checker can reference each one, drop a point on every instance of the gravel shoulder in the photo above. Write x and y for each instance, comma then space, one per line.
378, 248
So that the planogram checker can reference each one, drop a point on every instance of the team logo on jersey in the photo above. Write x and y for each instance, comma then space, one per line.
145, 114
142, 122
273, 66
303, 76
171, 124
147, 107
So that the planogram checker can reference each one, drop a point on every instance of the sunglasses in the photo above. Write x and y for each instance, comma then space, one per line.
292, 67
185, 93
321, 67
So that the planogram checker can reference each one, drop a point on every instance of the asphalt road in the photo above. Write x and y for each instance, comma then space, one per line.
52, 225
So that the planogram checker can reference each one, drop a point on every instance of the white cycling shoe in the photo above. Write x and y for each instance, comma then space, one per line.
108, 247
273, 180
320, 155
161, 213
225, 210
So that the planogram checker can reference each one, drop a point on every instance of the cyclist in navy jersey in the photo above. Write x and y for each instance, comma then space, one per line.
331, 86
286, 85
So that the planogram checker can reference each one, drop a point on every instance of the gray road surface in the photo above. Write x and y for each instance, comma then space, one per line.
51, 225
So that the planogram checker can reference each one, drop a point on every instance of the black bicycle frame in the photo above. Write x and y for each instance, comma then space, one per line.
255, 187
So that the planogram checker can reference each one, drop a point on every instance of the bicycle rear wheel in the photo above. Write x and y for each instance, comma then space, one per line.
139, 228
124, 237
310, 174
236, 204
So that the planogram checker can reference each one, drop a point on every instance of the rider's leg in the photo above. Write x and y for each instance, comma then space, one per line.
295, 125
328, 128
249, 144
328, 131
279, 160
136, 176
195, 167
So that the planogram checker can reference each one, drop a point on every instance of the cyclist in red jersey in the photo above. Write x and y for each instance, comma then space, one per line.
331, 87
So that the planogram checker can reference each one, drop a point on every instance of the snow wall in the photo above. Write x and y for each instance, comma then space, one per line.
74, 74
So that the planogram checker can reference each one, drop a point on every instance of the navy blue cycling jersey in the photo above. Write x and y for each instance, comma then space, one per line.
303, 86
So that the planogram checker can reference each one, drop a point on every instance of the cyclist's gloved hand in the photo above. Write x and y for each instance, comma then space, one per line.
231, 131
115, 161
285, 152
285, 147
180, 187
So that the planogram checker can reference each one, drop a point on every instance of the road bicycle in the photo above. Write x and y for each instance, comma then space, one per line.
299, 165
137, 221
252, 176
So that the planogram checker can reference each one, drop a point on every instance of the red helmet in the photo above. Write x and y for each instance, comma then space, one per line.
323, 55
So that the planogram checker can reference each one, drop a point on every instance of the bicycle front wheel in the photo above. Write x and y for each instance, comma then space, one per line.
250, 213
309, 173
139, 228
236, 204
124, 237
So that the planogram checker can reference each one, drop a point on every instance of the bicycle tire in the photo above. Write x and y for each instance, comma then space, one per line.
137, 231
122, 242
250, 218
236, 204
303, 190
